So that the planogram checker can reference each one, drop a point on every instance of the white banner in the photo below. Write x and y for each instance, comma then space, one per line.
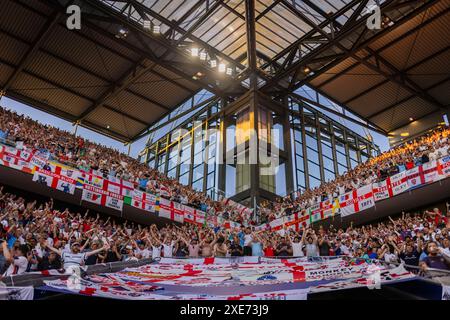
171, 210
102, 197
55, 181
144, 201
16, 293
356, 201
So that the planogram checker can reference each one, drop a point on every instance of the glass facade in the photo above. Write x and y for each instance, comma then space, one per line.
321, 149
188, 153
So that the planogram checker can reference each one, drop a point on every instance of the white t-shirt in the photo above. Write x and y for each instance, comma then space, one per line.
73, 259
156, 252
297, 249
18, 266
168, 250
145, 253
247, 239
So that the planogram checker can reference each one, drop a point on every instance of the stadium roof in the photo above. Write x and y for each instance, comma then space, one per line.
118, 75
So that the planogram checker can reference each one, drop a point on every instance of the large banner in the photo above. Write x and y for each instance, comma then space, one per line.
391, 187
171, 210
55, 180
102, 197
23, 154
37, 161
297, 221
92, 179
16, 293
194, 216
357, 200
142, 200
12, 160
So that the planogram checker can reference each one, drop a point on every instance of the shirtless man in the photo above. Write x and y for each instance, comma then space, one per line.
207, 245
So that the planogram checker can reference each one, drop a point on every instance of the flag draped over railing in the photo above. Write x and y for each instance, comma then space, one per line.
114, 193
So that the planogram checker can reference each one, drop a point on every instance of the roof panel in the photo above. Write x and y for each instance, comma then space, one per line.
57, 71
12, 50
399, 116
42, 91
417, 48
378, 99
115, 122
442, 93
73, 71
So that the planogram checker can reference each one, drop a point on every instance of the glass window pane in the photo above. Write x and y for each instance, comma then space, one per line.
314, 169
172, 173
210, 181
198, 172
198, 185
301, 178
312, 155
184, 179
327, 151
329, 176
342, 169
300, 163
313, 182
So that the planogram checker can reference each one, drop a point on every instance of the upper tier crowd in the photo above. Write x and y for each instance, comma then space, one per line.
430, 147
37, 236
83, 154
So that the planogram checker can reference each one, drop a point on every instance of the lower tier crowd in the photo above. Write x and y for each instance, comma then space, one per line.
37, 237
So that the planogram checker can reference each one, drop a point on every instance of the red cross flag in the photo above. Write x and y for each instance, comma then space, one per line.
55, 180
171, 210
356, 201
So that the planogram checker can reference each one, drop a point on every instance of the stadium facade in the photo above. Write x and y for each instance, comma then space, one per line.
312, 147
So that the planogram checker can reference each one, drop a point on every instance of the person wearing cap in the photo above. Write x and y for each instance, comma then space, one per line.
129, 254
75, 257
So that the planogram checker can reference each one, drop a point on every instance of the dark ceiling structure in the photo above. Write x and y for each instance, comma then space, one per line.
135, 61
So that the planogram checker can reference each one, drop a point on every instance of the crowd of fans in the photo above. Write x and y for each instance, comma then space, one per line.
75, 151
71, 150
36, 237
40, 237
429, 147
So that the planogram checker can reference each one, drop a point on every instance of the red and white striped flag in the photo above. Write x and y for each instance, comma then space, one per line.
391, 187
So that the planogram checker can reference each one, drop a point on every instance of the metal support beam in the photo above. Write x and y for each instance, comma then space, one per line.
120, 85
205, 104
251, 42
366, 42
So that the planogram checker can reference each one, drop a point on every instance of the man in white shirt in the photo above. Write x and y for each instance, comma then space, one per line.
297, 246
18, 261
168, 248
75, 258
